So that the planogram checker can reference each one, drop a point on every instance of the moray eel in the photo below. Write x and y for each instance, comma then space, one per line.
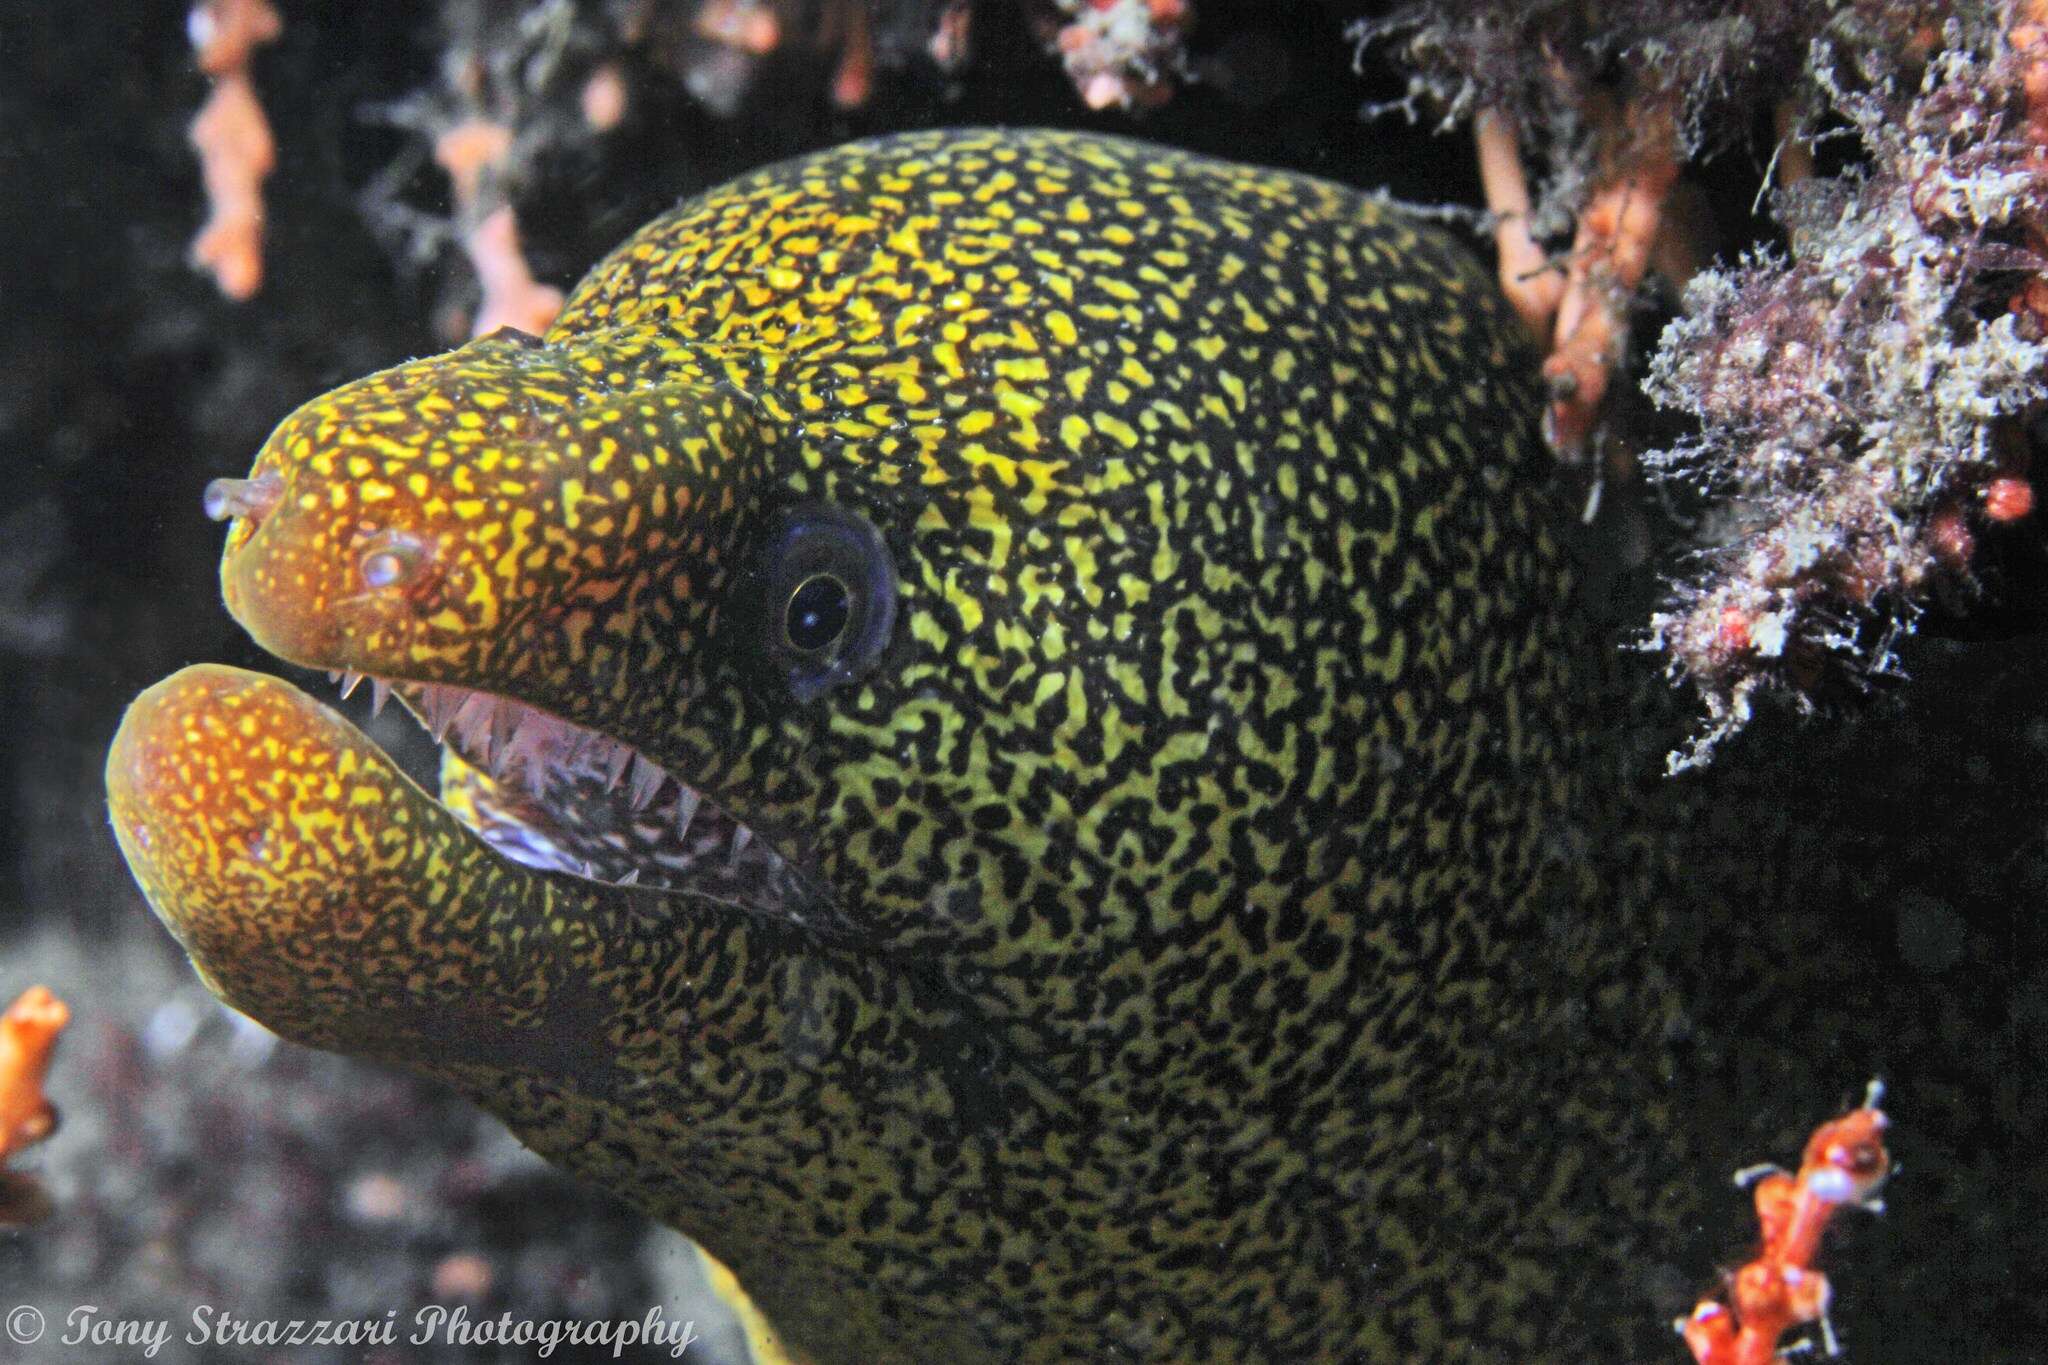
1012, 745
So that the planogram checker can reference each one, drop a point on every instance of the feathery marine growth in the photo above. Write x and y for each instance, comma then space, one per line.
1861, 389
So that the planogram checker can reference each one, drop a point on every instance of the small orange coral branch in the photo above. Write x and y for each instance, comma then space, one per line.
472, 152
512, 297
1532, 283
28, 1032
1612, 250
1580, 312
232, 137
1845, 1162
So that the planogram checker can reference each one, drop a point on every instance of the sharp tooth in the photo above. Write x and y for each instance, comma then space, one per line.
646, 781
615, 763
686, 810
741, 837
350, 680
428, 704
334, 675
441, 709
380, 692
579, 740
630, 878
504, 735
473, 726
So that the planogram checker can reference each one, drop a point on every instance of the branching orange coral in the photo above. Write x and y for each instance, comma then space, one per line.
511, 295
1845, 1162
28, 1032
1582, 313
470, 152
232, 137
1532, 283
1612, 250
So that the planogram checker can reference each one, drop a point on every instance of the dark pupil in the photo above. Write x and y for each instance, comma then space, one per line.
817, 612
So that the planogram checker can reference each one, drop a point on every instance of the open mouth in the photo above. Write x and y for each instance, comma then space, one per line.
540, 790
559, 797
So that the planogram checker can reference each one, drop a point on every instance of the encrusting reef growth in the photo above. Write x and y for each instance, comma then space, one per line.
1859, 391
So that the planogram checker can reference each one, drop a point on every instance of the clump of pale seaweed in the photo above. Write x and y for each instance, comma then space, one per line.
1858, 395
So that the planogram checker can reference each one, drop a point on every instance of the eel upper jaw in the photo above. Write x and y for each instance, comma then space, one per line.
311, 585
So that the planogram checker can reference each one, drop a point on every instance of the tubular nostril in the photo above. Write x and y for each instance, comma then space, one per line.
254, 498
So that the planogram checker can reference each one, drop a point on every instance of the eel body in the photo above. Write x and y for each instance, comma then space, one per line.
1014, 745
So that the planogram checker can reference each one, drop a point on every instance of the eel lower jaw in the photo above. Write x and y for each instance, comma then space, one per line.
318, 889
550, 794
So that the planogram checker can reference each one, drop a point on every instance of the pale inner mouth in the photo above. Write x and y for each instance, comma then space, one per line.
556, 796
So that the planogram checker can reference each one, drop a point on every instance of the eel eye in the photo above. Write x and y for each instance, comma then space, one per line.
389, 560
817, 614
819, 593
382, 568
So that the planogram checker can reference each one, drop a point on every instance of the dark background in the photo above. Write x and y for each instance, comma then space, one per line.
195, 1160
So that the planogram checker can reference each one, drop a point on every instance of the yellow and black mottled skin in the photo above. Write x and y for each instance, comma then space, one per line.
1206, 975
